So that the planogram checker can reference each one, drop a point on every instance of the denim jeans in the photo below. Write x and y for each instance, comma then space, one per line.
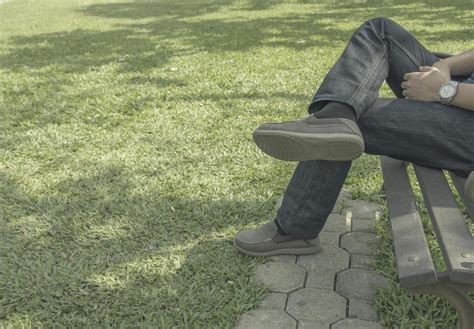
428, 134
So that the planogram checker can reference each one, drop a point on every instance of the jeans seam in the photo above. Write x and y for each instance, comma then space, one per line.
366, 78
404, 50
416, 133
290, 222
372, 72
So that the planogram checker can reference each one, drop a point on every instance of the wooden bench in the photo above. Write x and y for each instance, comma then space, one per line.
414, 263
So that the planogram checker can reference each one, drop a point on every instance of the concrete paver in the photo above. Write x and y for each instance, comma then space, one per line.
329, 258
356, 324
284, 258
337, 223
281, 277
363, 225
312, 324
362, 261
303, 303
322, 279
359, 243
274, 301
359, 283
362, 209
329, 239
361, 309
266, 319
334, 288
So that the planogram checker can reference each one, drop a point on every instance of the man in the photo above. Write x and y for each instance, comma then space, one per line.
430, 123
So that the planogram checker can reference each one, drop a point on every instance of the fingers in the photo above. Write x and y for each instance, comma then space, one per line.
405, 92
411, 75
425, 68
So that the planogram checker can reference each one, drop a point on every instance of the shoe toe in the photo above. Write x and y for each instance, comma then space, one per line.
253, 237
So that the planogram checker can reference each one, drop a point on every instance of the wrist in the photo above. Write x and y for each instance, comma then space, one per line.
443, 65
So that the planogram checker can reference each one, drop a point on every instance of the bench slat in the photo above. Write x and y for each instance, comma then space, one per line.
414, 263
459, 183
455, 239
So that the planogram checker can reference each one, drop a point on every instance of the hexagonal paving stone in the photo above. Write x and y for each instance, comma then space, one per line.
363, 225
329, 258
266, 319
329, 239
337, 223
359, 243
344, 195
280, 277
284, 258
274, 300
356, 324
338, 206
322, 279
359, 283
316, 304
361, 309
342, 201
362, 209
362, 261
312, 324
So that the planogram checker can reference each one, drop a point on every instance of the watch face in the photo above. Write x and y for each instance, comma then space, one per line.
447, 91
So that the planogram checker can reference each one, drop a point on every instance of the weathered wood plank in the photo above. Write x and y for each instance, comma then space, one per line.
414, 263
455, 239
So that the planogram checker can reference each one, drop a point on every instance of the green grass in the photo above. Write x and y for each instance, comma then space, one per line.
126, 160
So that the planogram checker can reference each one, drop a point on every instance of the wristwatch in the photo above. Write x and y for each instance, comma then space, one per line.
448, 91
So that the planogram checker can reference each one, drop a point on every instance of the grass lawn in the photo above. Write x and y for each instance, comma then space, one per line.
126, 159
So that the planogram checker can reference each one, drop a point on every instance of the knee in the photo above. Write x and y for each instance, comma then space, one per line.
382, 23
379, 20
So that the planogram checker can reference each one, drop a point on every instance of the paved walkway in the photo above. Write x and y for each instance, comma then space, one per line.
331, 289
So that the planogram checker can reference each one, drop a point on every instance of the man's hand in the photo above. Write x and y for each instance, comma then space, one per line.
424, 85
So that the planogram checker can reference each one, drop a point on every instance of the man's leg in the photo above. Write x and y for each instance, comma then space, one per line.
311, 196
379, 50
427, 134
312, 191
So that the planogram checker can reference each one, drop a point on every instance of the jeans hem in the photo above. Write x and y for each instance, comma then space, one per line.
321, 101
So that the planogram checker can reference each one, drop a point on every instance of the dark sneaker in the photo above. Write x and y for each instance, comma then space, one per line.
335, 139
469, 187
266, 241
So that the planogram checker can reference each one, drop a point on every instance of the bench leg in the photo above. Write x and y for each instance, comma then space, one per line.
456, 294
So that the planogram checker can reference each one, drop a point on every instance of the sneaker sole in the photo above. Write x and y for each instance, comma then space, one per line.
283, 251
291, 146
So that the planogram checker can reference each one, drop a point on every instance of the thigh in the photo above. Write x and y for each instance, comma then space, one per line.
405, 53
428, 134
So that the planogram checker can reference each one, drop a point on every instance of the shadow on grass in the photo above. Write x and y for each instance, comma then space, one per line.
145, 257
147, 35
174, 29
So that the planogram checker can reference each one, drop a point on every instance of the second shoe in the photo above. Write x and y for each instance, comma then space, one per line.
335, 139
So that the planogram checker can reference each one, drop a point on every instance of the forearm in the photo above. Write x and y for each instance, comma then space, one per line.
465, 96
462, 64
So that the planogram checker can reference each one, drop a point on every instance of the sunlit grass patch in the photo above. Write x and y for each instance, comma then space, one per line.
126, 159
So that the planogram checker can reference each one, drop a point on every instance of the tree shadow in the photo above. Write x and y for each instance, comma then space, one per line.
170, 29
94, 238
